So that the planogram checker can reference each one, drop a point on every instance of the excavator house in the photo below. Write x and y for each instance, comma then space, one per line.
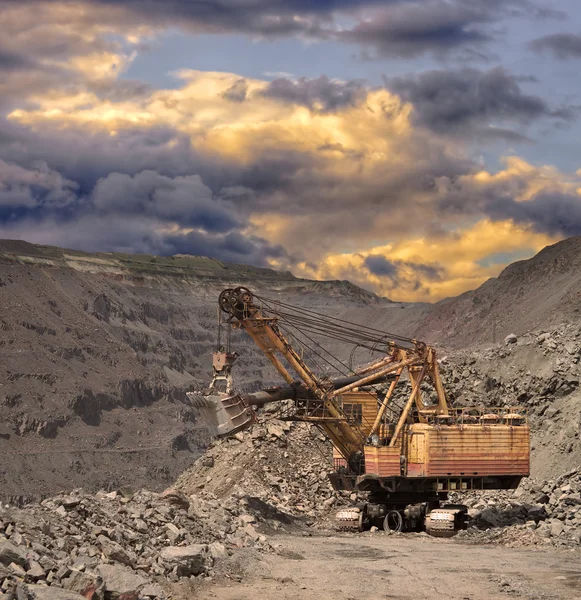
396, 438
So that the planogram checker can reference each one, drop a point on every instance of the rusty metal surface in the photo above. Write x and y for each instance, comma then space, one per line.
476, 450
453, 450
425, 438
382, 461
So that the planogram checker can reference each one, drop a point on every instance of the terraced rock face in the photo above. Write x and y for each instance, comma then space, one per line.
97, 351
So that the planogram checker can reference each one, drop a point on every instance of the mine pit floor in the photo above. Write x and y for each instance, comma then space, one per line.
402, 567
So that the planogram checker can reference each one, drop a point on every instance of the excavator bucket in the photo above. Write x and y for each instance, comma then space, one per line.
222, 414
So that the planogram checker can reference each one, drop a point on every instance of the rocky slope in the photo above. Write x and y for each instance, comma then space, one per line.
124, 545
97, 351
543, 291
272, 479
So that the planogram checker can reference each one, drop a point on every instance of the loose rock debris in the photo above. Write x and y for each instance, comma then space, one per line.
273, 478
109, 545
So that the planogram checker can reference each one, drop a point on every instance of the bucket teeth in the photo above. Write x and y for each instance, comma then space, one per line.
197, 400
223, 415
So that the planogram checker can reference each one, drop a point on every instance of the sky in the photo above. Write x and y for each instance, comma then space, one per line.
413, 147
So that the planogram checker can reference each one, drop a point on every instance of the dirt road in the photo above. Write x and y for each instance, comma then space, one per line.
371, 567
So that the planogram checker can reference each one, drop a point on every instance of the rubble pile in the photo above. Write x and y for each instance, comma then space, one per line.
273, 477
531, 371
110, 545
539, 374
283, 464
538, 512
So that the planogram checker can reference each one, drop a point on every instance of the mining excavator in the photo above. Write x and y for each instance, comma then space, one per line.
396, 439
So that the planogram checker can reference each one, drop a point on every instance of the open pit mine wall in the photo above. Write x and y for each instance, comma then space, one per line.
97, 352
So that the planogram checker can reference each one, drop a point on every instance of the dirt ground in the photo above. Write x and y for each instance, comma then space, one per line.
414, 567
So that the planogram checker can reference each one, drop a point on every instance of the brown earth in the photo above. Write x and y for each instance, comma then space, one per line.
98, 349
405, 567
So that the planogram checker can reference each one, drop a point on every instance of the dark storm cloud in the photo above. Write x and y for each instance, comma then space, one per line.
11, 61
394, 28
87, 157
412, 29
379, 265
561, 45
468, 99
556, 213
233, 247
552, 213
237, 92
185, 200
321, 93
401, 273
22, 189
148, 212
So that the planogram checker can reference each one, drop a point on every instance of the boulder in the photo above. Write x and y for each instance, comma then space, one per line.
187, 560
120, 583
175, 498
488, 518
84, 584
35, 571
114, 551
571, 347
275, 430
152, 590
9, 553
557, 527
217, 550
510, 339
43, 592
537, 513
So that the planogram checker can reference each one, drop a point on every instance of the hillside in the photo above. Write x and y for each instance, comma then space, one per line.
97, 351
541, 292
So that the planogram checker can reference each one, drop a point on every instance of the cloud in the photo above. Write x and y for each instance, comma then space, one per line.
393, 28
382, 267
403, 274
561, 45
557, 214
237, 91
320, 94
406, 270
23, 188
469, 101
147, 212
539, 198
183, 199
283, 171
47, 46
11, 61
411, 29
313, 175
379, 265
